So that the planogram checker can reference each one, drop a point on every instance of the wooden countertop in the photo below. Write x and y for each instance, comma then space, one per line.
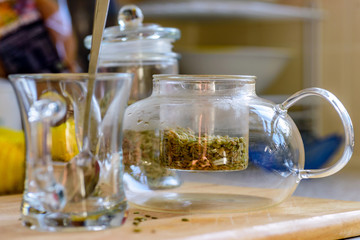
296, 218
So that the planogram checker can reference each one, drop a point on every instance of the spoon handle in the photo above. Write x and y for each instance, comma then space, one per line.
101, 10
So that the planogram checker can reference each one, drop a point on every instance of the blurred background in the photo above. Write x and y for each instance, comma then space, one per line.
288, 44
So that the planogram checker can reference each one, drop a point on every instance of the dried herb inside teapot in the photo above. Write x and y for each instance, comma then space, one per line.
141, 157
183, 149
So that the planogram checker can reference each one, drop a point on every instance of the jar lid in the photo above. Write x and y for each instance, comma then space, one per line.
131, 28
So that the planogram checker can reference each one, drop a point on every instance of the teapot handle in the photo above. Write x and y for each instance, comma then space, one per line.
346, 121
42, 114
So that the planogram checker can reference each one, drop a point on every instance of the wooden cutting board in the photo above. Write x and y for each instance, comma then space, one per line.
296, 218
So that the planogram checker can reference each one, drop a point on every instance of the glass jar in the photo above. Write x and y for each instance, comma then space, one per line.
137, 48
229, 149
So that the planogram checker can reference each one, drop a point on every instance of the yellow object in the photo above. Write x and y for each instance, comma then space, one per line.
12, 161
12, 154
64, 146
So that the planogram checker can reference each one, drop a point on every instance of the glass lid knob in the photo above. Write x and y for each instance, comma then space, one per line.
130, 16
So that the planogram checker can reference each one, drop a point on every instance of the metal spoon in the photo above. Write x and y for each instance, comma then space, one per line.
81, 174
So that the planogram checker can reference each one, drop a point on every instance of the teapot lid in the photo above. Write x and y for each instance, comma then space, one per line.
131, 28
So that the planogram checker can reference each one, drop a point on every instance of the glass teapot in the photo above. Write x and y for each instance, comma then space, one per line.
228, 149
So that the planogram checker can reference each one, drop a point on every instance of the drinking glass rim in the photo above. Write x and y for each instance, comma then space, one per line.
67, 76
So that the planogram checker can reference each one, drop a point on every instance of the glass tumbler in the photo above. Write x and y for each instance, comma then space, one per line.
63, 189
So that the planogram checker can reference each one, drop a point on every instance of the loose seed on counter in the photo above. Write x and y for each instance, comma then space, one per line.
140, 219
137, 220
